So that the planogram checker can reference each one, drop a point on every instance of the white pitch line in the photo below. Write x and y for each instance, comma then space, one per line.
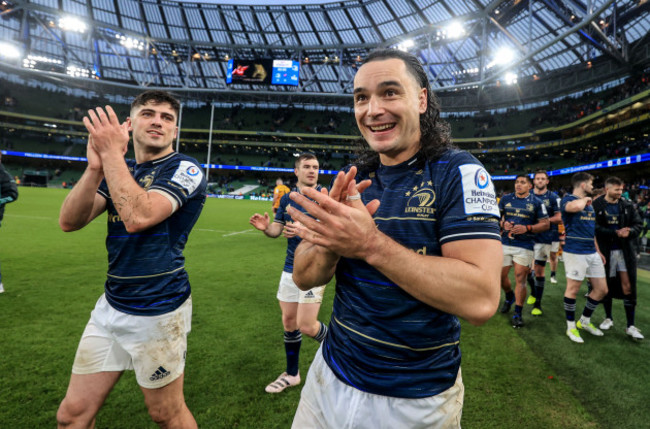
239, 232
209, 230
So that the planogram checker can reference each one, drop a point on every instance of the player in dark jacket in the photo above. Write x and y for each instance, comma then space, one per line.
618, 225
8, 194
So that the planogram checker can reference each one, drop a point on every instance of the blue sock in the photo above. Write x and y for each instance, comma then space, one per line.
510, 296
570, 308
630, 304
292, 341
322, 333
518, 309
590, 306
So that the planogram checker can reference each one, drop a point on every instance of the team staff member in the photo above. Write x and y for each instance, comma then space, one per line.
547, 243
417, 249
618, 225
581, 256
522, 216
299, 308
278, 192
142, 320
8, 194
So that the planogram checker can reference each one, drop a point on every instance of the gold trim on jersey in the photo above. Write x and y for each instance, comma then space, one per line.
405, 218
400, 346
146, 277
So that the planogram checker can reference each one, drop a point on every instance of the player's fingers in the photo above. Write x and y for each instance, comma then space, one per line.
307, 221
363, 185
89, 126
102, 116
337, 185
354, 197
372, 207
112, 116
323, 206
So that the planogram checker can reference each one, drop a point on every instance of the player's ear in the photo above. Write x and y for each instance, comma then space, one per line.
129, 125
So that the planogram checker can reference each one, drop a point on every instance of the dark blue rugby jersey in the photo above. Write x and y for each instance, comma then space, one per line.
580, 228
613, 218
552, 203
146, 270
381, 339
283, 217
521, 211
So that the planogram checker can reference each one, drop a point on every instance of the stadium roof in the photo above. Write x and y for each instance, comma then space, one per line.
468, 45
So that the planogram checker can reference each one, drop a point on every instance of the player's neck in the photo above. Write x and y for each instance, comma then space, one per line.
143, 155
300, 186
579, 193
540, 191
524, 195
611, 200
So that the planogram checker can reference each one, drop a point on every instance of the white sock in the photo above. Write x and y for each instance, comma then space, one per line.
570, 324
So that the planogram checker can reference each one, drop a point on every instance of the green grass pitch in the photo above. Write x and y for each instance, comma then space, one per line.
531, 378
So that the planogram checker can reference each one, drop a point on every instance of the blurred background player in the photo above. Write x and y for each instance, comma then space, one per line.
544, 241
299, 308
278, 192
8, 194
582, 258
618, 225
522, 216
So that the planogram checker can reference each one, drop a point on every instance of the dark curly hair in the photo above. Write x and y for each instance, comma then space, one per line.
157, 97
435, 134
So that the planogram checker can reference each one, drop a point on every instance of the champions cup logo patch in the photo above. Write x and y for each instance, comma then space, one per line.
479, 196
530, 207
188, 175
421, 199
481, 178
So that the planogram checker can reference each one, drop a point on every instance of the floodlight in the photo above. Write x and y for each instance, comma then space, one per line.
132, 43
71, 23
9, 50
455, 30
503, 56
409, 43
510, 78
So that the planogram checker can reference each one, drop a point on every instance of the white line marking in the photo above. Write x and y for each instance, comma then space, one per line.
239, 232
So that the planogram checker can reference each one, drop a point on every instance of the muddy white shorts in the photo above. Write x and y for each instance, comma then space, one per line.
519, 255
153, 346
288, 291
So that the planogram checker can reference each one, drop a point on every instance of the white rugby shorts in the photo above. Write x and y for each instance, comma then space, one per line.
288, 291
153, 346
578, 266
519, 255
326, 402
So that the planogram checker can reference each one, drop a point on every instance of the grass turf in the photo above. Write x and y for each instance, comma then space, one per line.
533, 377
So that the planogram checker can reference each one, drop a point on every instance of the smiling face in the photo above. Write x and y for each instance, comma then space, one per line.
153, 126
388, 103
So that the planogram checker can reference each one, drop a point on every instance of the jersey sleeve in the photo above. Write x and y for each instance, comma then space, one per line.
540, 210
103, 189
182, 180
468, 208
281, 216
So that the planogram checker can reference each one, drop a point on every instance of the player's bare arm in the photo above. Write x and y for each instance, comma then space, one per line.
83, 204
578, 205
138, 208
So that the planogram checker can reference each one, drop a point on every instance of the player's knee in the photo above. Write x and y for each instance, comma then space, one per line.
73, 412
289, 322
310, 329
164, 414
